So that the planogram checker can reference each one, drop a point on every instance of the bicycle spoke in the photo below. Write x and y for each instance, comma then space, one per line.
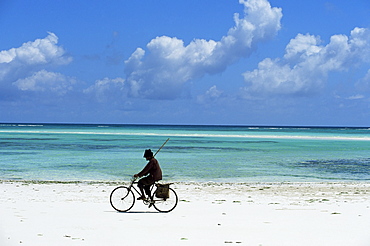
166, 205
122, 199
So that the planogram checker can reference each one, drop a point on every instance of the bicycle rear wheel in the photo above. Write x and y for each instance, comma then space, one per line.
122, 199
166, 205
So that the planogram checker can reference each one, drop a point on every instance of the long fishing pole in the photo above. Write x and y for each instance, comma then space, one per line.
161, 146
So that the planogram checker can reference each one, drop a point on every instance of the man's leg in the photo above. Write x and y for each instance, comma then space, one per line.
144, 185
147, 190
140, 184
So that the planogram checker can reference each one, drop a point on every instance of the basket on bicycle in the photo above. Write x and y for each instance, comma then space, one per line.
163, 191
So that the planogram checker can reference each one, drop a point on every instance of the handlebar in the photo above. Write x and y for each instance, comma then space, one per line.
133, 179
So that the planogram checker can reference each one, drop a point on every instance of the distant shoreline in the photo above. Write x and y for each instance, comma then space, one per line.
180, 125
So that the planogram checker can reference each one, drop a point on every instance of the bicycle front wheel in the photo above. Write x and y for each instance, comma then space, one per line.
166, 205
122, 199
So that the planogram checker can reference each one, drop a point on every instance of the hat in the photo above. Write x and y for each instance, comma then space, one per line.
148, 153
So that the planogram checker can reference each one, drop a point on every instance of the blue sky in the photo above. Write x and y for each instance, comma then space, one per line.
249, 62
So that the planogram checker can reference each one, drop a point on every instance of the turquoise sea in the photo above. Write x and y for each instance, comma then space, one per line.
103, 152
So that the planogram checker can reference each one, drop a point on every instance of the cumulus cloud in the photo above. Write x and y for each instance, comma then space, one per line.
306, 64
106, 89
211, 94
162, 70
17, 64
46, 81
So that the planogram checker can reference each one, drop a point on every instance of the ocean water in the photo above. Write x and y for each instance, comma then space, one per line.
76, 152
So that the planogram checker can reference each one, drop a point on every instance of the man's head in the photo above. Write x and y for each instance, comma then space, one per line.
148, 154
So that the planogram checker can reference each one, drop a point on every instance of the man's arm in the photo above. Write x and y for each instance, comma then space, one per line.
145, 171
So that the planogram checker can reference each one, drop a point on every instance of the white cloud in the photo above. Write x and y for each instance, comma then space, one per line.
211, 94
356, 97
18, 63
106, 89
169, 64
40, 51
306, 64
46, 81
302, 47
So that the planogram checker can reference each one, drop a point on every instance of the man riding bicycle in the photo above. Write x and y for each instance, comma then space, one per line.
154, 171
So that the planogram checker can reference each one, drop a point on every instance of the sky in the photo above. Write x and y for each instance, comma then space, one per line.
228, 62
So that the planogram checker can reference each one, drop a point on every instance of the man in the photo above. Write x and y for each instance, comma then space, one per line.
154, 171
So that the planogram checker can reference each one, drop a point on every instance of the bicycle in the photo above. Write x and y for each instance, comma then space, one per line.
122, 198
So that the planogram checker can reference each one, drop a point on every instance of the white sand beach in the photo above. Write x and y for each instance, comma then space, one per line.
52, 213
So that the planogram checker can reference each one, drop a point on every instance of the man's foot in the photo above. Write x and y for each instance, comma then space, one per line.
151, 203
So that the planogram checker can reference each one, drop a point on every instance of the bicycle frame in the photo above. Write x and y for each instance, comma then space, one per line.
122, 198
131, 186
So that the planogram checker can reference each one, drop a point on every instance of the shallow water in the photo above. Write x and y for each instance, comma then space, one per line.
193, 153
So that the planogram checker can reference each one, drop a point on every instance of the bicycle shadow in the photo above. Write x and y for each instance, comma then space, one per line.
134, 212
139, 212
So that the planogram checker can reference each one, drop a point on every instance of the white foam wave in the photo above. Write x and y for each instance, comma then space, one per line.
303, 137
30, 125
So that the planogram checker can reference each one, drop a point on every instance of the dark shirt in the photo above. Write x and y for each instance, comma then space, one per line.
153, 169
